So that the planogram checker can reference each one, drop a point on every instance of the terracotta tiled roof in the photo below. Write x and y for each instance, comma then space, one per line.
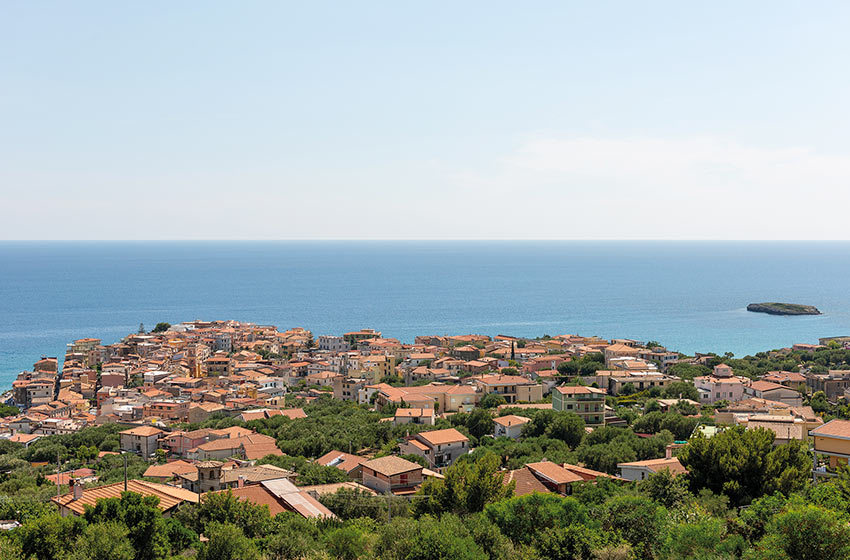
526, 482
343, 461
766, 386
391, 465
169, 496
143, 431
511, 420
657, 465
579, 390
65, 478
833, 428
442, 437
588, 474
413, 412
554, 472
169, 470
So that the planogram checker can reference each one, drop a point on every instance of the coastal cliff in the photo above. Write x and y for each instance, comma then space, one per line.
774, 308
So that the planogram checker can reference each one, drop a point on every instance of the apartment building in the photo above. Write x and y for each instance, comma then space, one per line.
587, 402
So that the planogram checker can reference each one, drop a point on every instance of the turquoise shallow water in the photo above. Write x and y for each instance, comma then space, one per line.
688, 295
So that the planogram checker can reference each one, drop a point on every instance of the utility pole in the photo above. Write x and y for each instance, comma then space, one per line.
58, 475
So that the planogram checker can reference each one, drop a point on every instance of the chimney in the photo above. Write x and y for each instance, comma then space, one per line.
668, 452
240, 482
77, 486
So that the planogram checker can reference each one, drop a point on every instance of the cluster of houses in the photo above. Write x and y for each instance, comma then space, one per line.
185, 374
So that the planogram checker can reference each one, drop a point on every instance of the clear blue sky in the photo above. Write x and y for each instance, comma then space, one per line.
276, 120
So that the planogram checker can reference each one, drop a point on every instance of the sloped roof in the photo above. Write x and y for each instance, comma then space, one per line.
579, 390
554, 472
297, 500
143, 431
442, 437
834, 428
169, 470
391, 465
169, 496
657, 465
526, 482
766, 386
343, 461
511, 420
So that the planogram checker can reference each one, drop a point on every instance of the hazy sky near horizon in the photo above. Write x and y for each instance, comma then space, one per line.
396, 120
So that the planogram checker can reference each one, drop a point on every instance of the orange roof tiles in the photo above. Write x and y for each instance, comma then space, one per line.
391, 465
169, 470
343, 461
526, 482
554, 473
834, 428
169, 496
143, 431
511, 420
579, 390
656, 465
442, 437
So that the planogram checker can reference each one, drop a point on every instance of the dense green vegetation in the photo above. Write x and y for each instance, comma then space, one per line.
469, 514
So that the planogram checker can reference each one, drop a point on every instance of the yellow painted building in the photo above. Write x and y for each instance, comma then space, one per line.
832, 440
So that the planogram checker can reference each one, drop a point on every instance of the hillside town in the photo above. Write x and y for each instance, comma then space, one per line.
206, 408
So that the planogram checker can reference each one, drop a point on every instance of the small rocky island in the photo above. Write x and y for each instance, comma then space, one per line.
774, 308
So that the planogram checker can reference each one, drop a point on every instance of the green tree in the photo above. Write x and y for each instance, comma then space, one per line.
347, 543
161, 327
48, 537
469, 485
429, 538
8, 410
223, 508
103, 540
147, 530
667, 489
681, 390
291, 538
804, 533
349, 503
10, 550
567, 427
179, 536
492, 400
787, 468
568, 369
638, 520
743, 464
86, 453
703, 539
227, 542
479, 422
574, 542
521, 518
606, 456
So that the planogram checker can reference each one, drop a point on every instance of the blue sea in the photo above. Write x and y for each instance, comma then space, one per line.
690, 296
